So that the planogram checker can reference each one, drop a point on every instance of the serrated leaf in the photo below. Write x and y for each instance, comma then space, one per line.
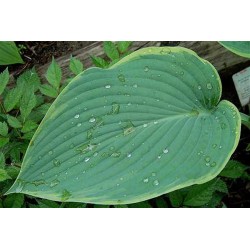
75, 66
14, 201
29, 79
54, 74
9, 53
47, 204
165, 97
176, 198
12, 98
27, 103
13, 122
4, 175
15, 154
111, 50
123, 46
3, 141
233, 169
241, 48
13, 171
4, 79
99, 62
221, 186
28, 135
48, 90
28, 126
3, 128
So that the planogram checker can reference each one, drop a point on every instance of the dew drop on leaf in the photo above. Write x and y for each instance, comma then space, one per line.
209, 86
54, 183
107, 86
165, 151
156, 183
92, 120
129, 155
56, 162
146, 68
146, 180
121, 78
77, 116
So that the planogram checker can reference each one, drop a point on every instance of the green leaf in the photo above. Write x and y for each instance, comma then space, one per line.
28, 126
123, 46
48, 90
176, 198
200, 195
28, 135
99, 62
245, 119
12, 98
3, 128
161, 203
233, 170
3, 141
54, 74
29, 79
13, 122
2, 159
4, 79
241, 48
13, 171
4, 175
149, 125
111, 50
75, 66
9, 53
47, 204
73, 205
143, 204
14, 201
27, 103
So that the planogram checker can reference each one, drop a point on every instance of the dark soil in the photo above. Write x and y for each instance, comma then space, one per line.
40, 53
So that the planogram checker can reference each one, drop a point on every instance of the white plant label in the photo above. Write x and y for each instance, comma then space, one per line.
242, 85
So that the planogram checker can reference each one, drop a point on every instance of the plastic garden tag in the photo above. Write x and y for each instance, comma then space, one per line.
242, 85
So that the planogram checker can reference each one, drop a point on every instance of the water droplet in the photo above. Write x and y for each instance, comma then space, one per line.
213, 164
135, 85
145, 125
92, 120
207, 159
155, 122
86, 159
165, 151
153, 174
42, 173
54, 183
95, 154
51, 152
116, 154
129, 155
209, 86
107, 86
129, 128
159, 157
121, 78
56, 162
146, 180
156, 182
223, 112
199, 87
78, 124
220, 147
85, 148
182, 73
214, 145
121, 178
146, 68
77, 178
77, 116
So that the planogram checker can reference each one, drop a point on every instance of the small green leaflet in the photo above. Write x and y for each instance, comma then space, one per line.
111, 50
3, 128
2, 159
233, 170
13, 122
4, 175
14, 201
3, 141
4, 79
12, 98
75, 66
123, 46
54, 74
28, 126
48, 90
9, 53
176, 198
99, 62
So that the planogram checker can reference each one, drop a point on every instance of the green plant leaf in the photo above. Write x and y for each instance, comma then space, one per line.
161, 203
13, 122
3, 141
176, 198
4, 79
47, 204
54, 74
3, 128
28, 102
28, 126
9, 53
14, 201
143, 204
75, 66
4, 175
29, 79
123, 46
233, 170
111, 50
2, 159
12, 98
48, 90
149, 125
99, 62
241, 48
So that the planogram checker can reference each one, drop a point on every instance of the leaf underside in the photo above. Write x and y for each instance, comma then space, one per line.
241, 48
149, 125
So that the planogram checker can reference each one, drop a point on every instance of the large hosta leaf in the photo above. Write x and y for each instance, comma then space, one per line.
240, 48
149, 125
